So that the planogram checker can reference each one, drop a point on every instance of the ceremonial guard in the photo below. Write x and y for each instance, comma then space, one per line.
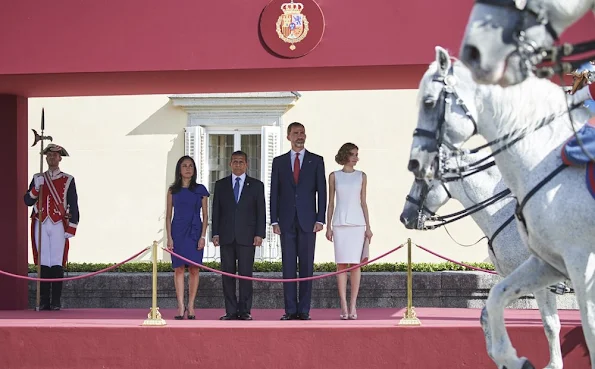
59, 219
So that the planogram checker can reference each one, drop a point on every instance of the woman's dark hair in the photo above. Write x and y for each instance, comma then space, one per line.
344, 153
177, 185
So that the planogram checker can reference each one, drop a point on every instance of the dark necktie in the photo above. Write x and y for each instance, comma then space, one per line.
236, 189
296, 168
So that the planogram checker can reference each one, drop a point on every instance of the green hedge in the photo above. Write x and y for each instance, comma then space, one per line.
264, 266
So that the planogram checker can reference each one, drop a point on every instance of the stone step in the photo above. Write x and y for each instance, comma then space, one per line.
450, 289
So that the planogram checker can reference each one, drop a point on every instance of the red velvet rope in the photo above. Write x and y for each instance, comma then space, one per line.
326, 275
278, 280
78, 276
456, 262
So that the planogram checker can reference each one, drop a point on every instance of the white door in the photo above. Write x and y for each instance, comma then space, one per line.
212, 151
221, 144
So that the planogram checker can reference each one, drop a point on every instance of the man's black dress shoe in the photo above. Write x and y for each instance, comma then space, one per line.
287, 316
304, 316
229, 317
245, 316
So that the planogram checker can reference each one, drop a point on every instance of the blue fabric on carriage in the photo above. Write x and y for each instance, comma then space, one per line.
574, 156
572, 152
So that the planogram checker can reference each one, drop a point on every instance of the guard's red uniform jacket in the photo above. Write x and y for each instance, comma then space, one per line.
60, 201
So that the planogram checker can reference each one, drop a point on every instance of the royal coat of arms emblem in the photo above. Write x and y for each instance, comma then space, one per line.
292, 25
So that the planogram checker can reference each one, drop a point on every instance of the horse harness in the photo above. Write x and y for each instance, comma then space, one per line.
450, 218
533, 55
449, 82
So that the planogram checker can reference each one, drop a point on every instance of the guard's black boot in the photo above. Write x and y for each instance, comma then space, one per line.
44, 288
57, 272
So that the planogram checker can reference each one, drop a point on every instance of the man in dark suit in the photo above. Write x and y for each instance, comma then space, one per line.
297, 214
239, 225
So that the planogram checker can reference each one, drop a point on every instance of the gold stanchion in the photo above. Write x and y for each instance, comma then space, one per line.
154, 318
409, 319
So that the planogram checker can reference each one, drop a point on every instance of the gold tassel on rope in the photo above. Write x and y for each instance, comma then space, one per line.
410, 319
154, 318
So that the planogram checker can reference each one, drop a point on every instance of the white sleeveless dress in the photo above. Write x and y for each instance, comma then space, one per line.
349, 224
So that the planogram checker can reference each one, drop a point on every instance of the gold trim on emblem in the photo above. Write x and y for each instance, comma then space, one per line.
292, 25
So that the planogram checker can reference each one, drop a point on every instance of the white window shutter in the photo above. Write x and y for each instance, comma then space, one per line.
271, 147
195, 147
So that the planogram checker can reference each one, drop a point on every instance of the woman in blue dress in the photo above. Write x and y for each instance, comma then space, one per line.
186, 231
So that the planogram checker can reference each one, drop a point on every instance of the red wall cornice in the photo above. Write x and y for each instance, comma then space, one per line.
78, 47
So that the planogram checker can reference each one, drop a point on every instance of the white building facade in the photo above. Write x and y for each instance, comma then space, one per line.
124, 150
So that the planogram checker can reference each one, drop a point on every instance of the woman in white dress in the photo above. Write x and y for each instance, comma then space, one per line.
348, 223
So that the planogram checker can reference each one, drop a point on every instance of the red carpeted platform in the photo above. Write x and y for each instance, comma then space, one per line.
114, 338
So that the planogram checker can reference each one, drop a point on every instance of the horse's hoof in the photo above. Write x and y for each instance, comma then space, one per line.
527, 365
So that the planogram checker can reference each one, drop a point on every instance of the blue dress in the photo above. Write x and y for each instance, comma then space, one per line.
186, 225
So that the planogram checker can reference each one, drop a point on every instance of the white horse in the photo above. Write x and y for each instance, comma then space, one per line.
495, 219
555, 211
502, 36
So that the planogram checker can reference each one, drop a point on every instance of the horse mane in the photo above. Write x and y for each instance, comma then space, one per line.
523, 107
515, 109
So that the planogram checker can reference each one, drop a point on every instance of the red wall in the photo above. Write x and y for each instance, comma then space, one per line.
14, 219
43, 44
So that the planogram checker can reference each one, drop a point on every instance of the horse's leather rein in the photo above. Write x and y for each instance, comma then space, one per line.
553, 54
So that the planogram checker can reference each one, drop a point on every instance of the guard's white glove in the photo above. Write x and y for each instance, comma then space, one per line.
68, 235
38, 182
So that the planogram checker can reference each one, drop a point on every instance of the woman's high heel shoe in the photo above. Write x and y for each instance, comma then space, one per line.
344, 316
180, 317
191, 317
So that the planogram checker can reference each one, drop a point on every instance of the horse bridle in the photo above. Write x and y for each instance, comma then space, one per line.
448, 90
530, 54
449, 82
423, 195
440, 168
